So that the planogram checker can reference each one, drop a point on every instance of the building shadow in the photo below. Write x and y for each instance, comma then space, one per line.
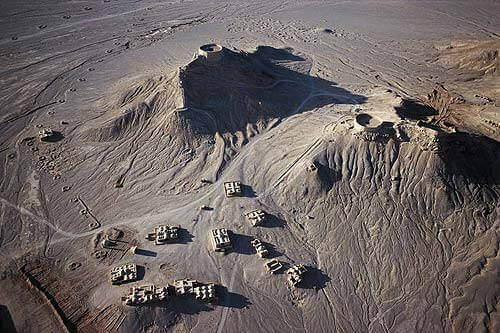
273, 221
247, 191
6, 322
270, 83
272, 251
147, 253
230, 299
187, 305
141, 272
414, 110
314, 278
185, 236
474, 158
241, 244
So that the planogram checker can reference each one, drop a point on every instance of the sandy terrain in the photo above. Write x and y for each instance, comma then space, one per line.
368, 131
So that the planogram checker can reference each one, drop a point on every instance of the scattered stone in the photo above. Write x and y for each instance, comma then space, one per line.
94, 225
74, 265
100, 254
66, 188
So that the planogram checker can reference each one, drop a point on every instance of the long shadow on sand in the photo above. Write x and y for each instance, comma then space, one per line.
247, 88
6, 322
314, 278
476, 158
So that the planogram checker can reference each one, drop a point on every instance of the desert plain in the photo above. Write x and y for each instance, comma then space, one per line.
366, 131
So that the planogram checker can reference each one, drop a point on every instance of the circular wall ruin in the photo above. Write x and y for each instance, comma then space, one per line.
367, 123
211, 52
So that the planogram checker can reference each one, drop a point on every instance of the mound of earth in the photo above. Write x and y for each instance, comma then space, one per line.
469, 100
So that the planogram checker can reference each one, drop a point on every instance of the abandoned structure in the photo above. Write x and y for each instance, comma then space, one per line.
46, 134
220, 240
123, 274
201, 291
164, 234
205, 292
273, 266
259, 248
232, 189
211, 52
295, 274
184, 286
256, 217
145, 294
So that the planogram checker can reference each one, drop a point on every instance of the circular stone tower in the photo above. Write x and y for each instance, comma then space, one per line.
211, 52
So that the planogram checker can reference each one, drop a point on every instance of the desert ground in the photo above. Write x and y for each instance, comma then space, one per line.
366, 131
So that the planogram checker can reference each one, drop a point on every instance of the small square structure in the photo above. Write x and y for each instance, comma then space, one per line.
273, 266
232, 189
145, 294
295, 274
220, 240
256, 217
164, 234
259, 248
123, 274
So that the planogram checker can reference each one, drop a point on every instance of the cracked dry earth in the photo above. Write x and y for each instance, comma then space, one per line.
367, 131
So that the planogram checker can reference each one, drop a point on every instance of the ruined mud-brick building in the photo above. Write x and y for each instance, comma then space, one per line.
232, 189
164, 234
219, 238
145, 295
124, 273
